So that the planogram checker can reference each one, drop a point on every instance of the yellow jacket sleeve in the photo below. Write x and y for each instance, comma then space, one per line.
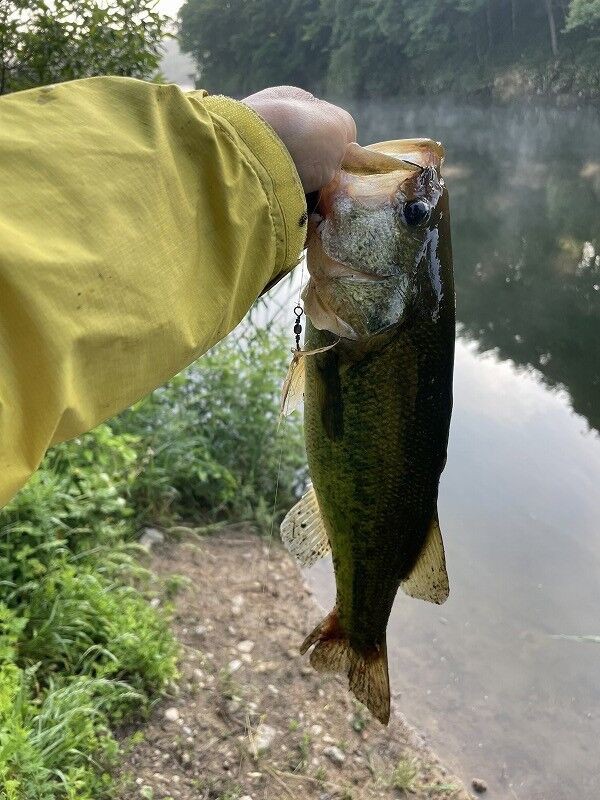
138, 224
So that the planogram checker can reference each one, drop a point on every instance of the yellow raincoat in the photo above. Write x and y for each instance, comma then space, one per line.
138, 224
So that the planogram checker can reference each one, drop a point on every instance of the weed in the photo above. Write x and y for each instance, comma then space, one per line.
304, 749
404, 775
174, 584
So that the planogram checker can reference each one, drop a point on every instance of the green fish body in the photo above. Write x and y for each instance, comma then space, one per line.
377, 407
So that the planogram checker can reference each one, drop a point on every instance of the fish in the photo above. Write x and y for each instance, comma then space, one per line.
376, 382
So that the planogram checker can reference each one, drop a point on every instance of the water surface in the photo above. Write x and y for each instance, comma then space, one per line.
484, 675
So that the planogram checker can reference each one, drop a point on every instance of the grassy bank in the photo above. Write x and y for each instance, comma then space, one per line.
81, 647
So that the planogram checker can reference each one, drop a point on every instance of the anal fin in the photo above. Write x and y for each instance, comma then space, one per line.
428, 579
303, 530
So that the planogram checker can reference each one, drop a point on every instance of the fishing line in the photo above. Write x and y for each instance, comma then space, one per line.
277, 433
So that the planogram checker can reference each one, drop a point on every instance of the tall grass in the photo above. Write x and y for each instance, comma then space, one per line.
81, 649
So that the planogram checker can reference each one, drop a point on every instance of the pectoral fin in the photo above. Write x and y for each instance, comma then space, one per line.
428, 579
303, 531
292, 392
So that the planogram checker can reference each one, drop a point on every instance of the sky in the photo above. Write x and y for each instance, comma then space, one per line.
170, 7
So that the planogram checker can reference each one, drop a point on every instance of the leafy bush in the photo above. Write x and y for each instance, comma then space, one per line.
209, 442
80, 646
59, 746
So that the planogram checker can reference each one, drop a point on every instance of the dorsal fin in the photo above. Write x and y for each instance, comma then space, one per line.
428, 579
303, 530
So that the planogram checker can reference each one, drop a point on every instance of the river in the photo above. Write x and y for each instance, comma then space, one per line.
489, 676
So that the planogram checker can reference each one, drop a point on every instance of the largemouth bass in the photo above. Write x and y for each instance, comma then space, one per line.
377, 400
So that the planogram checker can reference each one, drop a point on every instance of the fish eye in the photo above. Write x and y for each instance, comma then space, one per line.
416, 212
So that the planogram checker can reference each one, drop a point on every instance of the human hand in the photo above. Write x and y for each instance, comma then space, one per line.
314, 131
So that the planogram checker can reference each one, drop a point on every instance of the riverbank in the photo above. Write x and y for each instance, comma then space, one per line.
249, 718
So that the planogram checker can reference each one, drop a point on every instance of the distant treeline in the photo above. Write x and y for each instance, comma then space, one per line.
383, 47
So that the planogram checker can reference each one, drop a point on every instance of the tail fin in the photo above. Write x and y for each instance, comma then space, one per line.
367, 671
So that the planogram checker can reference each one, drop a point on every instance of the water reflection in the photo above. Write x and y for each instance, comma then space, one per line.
525, 196
519, 510
519, 503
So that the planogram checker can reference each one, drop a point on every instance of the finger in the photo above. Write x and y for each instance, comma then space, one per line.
343, 117
281, 93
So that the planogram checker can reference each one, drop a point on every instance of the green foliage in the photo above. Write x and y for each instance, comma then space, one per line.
583, 13
386, 47
240, 45
404, 775
44, 42
209, 443
81, 649
59, 745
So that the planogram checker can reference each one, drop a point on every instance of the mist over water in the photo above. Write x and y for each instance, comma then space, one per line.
484, 675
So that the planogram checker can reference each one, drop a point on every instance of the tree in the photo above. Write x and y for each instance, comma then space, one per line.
45, 42
243, 45
392, 47
583, 13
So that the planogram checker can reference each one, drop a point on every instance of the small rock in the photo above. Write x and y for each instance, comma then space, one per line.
155, 602
245, 797
246, 658
266, 666
234, 665
334, 754
245, 646
201, 630
264, 737
171, 714
479, 785
233, 706
151, 537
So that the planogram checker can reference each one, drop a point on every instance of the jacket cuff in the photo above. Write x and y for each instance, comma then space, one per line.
277, 173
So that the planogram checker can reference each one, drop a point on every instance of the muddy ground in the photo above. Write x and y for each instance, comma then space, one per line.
249, 718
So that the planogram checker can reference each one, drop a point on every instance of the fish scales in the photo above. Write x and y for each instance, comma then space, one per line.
377, 406
377, 484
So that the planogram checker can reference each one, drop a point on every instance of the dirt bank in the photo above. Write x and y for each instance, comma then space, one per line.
250, 718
